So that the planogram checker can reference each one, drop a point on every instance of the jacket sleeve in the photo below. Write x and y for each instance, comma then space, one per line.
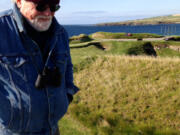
71, 88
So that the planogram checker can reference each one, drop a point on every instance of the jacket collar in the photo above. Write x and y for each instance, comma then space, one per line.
18, 18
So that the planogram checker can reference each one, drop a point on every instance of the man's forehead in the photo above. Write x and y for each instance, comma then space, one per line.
45, 1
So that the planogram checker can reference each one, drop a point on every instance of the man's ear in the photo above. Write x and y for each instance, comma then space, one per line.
18, 2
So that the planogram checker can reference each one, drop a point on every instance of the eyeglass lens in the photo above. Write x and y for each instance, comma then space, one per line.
43, 7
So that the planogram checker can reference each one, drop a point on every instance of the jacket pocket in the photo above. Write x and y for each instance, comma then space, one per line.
15, 64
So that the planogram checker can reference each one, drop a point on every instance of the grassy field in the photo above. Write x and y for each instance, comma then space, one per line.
108, 35
69, 126
122, 94
82, 38
82, 51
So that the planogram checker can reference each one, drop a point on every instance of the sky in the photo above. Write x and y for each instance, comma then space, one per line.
100, 11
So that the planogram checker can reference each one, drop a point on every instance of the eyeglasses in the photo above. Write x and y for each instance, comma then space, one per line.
42, 7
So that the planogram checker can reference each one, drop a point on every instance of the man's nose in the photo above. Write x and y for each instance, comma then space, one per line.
47, 12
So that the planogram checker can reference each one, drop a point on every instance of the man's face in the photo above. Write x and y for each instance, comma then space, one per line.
41, 21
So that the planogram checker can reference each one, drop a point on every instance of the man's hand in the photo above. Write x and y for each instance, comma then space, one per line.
70, 98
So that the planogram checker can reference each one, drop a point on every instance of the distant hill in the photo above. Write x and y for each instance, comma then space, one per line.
170, 19
176, 15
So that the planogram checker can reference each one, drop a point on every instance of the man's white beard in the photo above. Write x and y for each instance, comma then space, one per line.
41, 25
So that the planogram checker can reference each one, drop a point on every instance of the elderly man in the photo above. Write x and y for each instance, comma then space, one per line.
36, 77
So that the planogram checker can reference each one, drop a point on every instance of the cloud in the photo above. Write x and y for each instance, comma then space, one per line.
93, 17
90, 12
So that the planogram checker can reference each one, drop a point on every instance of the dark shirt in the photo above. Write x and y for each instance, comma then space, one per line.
40, 38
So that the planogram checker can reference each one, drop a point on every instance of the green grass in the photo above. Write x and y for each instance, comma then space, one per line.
79, 39
123, 95
119, 48
80, 54
166, 52
129, 95
109, 35
70, 126
169, 43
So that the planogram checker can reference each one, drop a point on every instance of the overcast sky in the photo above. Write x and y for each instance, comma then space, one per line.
98, 11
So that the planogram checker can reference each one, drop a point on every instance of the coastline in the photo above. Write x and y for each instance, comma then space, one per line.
171, 19
135, 23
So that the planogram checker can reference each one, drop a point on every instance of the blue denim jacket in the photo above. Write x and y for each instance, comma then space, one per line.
24, 110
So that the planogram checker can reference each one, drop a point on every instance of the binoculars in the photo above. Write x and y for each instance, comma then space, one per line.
49, 77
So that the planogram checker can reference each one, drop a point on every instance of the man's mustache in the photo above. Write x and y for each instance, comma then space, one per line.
44, 17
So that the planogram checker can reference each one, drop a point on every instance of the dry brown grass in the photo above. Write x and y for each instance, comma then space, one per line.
138, 90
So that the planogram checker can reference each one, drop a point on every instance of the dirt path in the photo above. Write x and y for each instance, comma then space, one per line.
144, 39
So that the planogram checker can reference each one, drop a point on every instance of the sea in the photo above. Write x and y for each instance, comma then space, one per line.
162, 29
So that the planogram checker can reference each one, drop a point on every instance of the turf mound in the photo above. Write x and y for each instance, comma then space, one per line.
123, 95
79, 39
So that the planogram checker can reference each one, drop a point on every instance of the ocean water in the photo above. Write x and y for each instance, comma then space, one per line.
163, 29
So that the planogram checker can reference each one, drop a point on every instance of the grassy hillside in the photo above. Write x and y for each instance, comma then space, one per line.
122, 94
171, 19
